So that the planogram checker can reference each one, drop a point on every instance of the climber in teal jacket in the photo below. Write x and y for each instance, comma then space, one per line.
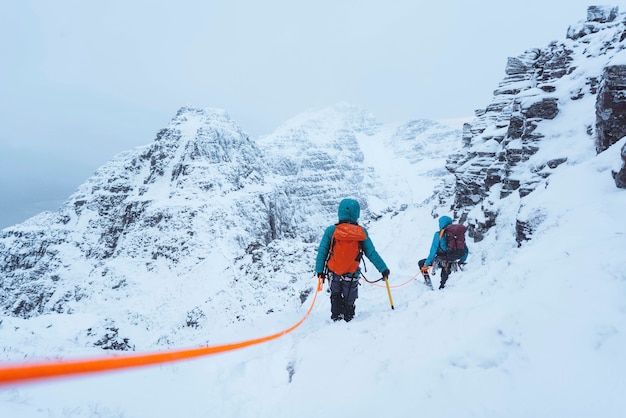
438, 247
344, 274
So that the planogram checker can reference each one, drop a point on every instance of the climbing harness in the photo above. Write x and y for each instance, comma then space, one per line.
440, 264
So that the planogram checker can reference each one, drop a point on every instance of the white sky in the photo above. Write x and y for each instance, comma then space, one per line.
82, 81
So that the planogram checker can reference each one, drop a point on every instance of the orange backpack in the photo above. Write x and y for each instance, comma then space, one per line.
345, 249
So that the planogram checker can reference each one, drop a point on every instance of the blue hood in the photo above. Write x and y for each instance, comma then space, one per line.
349, 210
444, 221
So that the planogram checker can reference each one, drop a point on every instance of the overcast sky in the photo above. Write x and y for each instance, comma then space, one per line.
81, 81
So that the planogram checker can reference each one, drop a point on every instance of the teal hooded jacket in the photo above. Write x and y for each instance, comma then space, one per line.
349, 211
438, 244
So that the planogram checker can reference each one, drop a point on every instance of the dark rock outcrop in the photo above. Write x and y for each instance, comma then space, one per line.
595, 15
611, 107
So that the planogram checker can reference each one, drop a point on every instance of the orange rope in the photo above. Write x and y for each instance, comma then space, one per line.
397, 285
32, 371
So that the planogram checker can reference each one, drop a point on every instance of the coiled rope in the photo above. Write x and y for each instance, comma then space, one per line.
19, 373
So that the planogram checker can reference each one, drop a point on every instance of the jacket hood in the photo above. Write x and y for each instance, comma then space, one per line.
444, 221
349, 210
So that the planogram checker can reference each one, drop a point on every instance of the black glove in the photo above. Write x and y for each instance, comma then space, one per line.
386, 274
321, 276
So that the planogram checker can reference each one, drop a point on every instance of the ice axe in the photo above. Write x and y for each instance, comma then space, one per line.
388, 291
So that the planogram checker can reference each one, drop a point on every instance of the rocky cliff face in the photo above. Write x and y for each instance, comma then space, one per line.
611, 107
501, 155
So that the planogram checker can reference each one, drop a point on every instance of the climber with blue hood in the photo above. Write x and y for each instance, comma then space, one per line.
447, 248
339, 256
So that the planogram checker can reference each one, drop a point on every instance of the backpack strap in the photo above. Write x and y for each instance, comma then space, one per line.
441, 234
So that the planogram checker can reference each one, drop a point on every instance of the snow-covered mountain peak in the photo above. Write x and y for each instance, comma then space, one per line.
204, 123
204, 134
320, 127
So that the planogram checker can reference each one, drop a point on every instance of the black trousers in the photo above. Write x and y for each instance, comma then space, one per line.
344, 291
445, 270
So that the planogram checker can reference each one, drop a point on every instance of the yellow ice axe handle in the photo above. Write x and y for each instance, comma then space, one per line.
389, 291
